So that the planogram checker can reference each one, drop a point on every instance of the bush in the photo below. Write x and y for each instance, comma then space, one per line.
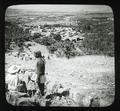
57, 37
68, 48
36, 35
52, 49
60, 53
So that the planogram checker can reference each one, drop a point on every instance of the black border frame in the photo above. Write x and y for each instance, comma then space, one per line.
115, 7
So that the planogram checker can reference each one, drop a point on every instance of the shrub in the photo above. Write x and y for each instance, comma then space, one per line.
36, 35
60, 53
55, 46
52, 49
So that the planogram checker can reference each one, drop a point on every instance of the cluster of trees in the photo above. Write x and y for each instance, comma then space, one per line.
97, 38
100, 43
16, 34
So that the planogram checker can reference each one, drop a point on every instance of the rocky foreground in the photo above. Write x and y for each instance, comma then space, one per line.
80, 81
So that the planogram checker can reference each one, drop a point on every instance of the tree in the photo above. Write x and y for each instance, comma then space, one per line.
14, 33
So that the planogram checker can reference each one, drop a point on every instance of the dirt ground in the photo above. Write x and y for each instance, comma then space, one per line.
87, 75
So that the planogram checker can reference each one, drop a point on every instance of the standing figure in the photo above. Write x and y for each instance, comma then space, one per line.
40, 70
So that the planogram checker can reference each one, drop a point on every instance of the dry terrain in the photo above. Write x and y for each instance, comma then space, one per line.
88, 76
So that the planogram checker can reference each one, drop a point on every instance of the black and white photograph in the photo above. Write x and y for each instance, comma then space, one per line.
59, 55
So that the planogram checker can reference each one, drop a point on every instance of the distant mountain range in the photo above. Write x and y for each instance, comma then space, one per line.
33, 12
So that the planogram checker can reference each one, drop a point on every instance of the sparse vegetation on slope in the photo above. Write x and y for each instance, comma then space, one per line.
99, 36
16, 34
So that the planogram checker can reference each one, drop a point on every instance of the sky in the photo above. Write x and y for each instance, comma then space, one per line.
63, 8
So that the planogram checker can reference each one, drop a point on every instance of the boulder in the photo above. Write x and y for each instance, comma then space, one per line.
22, 99
13, 96
85, 100
27, 102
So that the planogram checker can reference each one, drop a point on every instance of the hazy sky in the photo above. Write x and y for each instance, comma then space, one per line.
62, 8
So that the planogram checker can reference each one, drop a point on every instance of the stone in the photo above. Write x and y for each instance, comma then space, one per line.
13, 96
95, 102
21, 87
60, 90
26, 102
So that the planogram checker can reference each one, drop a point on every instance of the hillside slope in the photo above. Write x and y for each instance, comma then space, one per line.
85, 75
